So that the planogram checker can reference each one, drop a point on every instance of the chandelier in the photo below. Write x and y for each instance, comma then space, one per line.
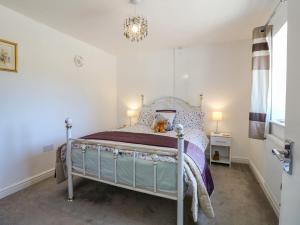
136, 27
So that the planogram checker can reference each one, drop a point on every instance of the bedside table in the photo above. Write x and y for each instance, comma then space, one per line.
220, 143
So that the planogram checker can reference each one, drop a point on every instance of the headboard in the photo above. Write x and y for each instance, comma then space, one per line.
173, 103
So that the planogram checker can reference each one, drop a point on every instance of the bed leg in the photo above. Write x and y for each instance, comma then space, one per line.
68, 123
180, 167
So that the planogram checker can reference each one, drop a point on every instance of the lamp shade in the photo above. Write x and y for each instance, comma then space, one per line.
131, 113
217, 116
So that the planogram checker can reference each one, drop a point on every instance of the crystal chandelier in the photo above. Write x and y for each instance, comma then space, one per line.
136, 27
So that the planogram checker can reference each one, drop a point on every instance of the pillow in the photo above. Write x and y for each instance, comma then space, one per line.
190, 119
165, 115
146, 116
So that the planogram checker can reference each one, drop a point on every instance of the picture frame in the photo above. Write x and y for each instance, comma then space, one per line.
8, 56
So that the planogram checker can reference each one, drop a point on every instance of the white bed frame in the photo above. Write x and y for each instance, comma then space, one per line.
162, 103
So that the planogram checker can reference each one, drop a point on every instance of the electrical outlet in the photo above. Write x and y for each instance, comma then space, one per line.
48, 148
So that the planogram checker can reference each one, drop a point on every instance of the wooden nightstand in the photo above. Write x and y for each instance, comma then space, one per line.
220, 143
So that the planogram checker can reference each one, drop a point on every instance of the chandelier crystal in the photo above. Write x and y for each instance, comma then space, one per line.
135, 28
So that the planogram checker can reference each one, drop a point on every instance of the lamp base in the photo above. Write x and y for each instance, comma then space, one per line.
217, 128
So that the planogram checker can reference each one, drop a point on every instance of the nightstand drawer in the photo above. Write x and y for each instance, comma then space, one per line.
221, 141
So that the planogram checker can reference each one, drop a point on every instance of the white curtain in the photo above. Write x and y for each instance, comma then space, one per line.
259, 115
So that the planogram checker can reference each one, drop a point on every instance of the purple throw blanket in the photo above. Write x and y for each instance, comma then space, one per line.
190, 149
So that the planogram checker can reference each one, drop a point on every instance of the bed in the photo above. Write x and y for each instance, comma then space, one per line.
136, 158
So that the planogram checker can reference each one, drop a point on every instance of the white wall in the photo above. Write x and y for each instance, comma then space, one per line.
267, 167
48, 88
222, 72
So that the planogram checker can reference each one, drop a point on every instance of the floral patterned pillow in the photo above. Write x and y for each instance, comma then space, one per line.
146, 116
190, 119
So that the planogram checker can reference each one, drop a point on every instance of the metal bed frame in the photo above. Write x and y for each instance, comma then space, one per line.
179, 154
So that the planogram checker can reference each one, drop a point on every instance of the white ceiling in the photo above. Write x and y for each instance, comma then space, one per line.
172, 23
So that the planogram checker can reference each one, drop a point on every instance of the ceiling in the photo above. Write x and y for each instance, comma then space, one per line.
172, 23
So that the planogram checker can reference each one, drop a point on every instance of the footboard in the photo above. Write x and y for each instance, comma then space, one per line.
118, 148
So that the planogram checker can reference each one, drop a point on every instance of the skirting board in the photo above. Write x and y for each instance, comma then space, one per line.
240, 160
234, 159
265, 188
25, 183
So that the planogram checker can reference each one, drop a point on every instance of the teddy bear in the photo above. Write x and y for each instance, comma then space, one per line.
216, 155
160, 126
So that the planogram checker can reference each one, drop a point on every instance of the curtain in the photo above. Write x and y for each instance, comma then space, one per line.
260, 95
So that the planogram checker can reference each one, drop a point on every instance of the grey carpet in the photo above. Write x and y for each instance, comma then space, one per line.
237, 200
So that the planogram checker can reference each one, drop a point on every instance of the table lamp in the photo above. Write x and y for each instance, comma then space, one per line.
217, 116
130, 114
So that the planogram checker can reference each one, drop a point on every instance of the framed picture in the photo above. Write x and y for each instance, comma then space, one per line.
8, 56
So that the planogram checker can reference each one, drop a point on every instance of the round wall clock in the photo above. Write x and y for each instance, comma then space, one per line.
78, 60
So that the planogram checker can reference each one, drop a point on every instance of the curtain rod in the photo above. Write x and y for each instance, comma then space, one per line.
274, 11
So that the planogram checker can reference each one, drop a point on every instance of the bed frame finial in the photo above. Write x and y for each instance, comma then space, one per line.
179, 131
68, 122
180, 169
142, 99
201, 100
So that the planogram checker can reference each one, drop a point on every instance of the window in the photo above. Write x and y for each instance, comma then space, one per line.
279, 70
